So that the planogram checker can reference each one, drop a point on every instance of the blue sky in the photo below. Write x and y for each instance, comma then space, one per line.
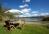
30, 7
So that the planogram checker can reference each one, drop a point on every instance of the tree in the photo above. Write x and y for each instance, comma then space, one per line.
4, 14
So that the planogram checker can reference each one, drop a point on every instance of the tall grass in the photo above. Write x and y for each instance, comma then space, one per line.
27, 29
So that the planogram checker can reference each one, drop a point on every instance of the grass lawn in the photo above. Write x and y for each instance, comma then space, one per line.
27, 29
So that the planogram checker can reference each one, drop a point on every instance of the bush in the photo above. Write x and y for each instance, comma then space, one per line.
45, 19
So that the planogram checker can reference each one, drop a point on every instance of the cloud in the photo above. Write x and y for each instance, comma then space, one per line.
35, 12
13, 10
23, 6
25, 15
43, 14
26, 12
22, 12
26, 1
22, 16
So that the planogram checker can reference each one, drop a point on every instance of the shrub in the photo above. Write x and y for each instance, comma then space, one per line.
45, 19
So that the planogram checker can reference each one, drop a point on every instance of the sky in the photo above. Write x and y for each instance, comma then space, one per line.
27, 8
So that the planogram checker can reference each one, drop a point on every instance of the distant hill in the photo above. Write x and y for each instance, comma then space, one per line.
33, 18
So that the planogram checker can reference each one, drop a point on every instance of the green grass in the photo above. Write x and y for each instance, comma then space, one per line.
27, 29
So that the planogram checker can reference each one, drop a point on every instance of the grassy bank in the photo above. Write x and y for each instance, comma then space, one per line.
27, 29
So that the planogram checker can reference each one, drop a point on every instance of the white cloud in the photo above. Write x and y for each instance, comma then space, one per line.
35, 12
14, 10
26, 10
43, 14
26, 1
21, 6
24, 6
40, 14
21, 16
25, 15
